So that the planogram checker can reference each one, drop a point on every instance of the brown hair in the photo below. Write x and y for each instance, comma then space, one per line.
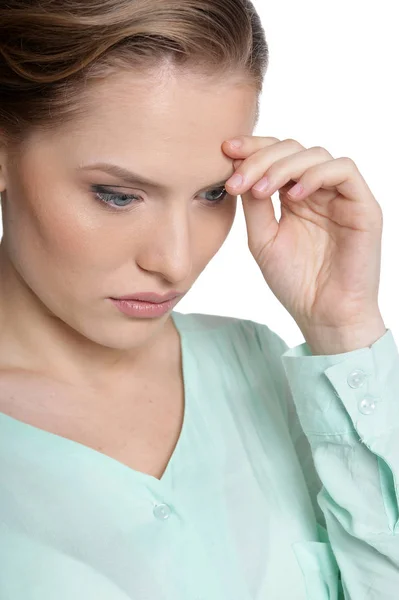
50, 50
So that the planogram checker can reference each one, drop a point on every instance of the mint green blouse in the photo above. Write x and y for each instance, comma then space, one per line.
283, 484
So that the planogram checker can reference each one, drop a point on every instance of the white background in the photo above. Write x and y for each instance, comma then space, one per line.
332, 82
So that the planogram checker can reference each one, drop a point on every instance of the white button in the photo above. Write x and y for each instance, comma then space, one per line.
356, 378
367, 405
162, 511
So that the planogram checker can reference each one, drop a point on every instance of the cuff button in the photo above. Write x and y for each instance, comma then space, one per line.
356, 379
367, 405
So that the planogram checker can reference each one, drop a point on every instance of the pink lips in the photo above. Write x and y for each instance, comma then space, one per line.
150, 297
136, 308
146, 304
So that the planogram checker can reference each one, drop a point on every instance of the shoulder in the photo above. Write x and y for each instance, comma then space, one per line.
208, 323
241, 355
250, 338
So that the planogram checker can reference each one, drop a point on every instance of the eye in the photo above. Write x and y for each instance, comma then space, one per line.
120, 201
112, 199
220, 195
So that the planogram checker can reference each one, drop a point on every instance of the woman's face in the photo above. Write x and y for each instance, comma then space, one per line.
73, 250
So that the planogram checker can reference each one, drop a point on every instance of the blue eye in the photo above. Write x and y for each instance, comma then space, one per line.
119, 201
220, 198
112, 199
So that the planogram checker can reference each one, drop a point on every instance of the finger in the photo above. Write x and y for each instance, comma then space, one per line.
290, 169
256, 166
237, 163
342, 174
249, 144
262, 225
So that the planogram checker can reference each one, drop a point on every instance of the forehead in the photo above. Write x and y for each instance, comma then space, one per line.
167, 129
170, 107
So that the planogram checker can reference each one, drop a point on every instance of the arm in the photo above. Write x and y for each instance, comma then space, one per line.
347, 405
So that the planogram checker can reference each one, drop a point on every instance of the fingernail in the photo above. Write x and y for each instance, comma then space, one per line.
235, 181
235, 143
262, 185
296, 190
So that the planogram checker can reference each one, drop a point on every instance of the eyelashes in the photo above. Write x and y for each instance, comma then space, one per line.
119, 202
114, 200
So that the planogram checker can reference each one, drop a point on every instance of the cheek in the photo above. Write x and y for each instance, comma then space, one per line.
57, 231
60, 245
211, 233
68, 240
228, 217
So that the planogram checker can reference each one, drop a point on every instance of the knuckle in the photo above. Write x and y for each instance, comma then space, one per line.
293, 142
289, 141
348, 161
321, 150
379, 215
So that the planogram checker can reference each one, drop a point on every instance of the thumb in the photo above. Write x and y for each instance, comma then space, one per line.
260, 218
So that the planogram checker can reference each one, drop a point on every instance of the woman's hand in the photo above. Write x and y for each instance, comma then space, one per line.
322, 259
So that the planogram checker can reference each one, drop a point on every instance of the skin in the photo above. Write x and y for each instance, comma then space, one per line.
64, 252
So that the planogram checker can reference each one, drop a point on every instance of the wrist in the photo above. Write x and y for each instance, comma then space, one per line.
331, 340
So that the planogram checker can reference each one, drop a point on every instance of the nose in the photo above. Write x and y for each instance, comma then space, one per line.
166, 249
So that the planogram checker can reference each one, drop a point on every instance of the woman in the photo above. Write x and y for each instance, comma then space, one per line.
150, 454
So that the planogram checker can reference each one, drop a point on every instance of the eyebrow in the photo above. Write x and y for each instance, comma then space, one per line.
135, 178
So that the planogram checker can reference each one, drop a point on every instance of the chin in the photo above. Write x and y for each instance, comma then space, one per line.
127, 334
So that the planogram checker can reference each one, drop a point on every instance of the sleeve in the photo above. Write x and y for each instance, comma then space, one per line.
347, 407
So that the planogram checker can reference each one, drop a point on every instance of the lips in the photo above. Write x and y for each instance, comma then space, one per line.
152, 297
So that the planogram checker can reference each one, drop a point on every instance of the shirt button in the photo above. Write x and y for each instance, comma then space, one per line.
356, 378
367, 405
162, 511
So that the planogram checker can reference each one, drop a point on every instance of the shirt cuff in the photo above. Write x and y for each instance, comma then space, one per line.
340, 393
